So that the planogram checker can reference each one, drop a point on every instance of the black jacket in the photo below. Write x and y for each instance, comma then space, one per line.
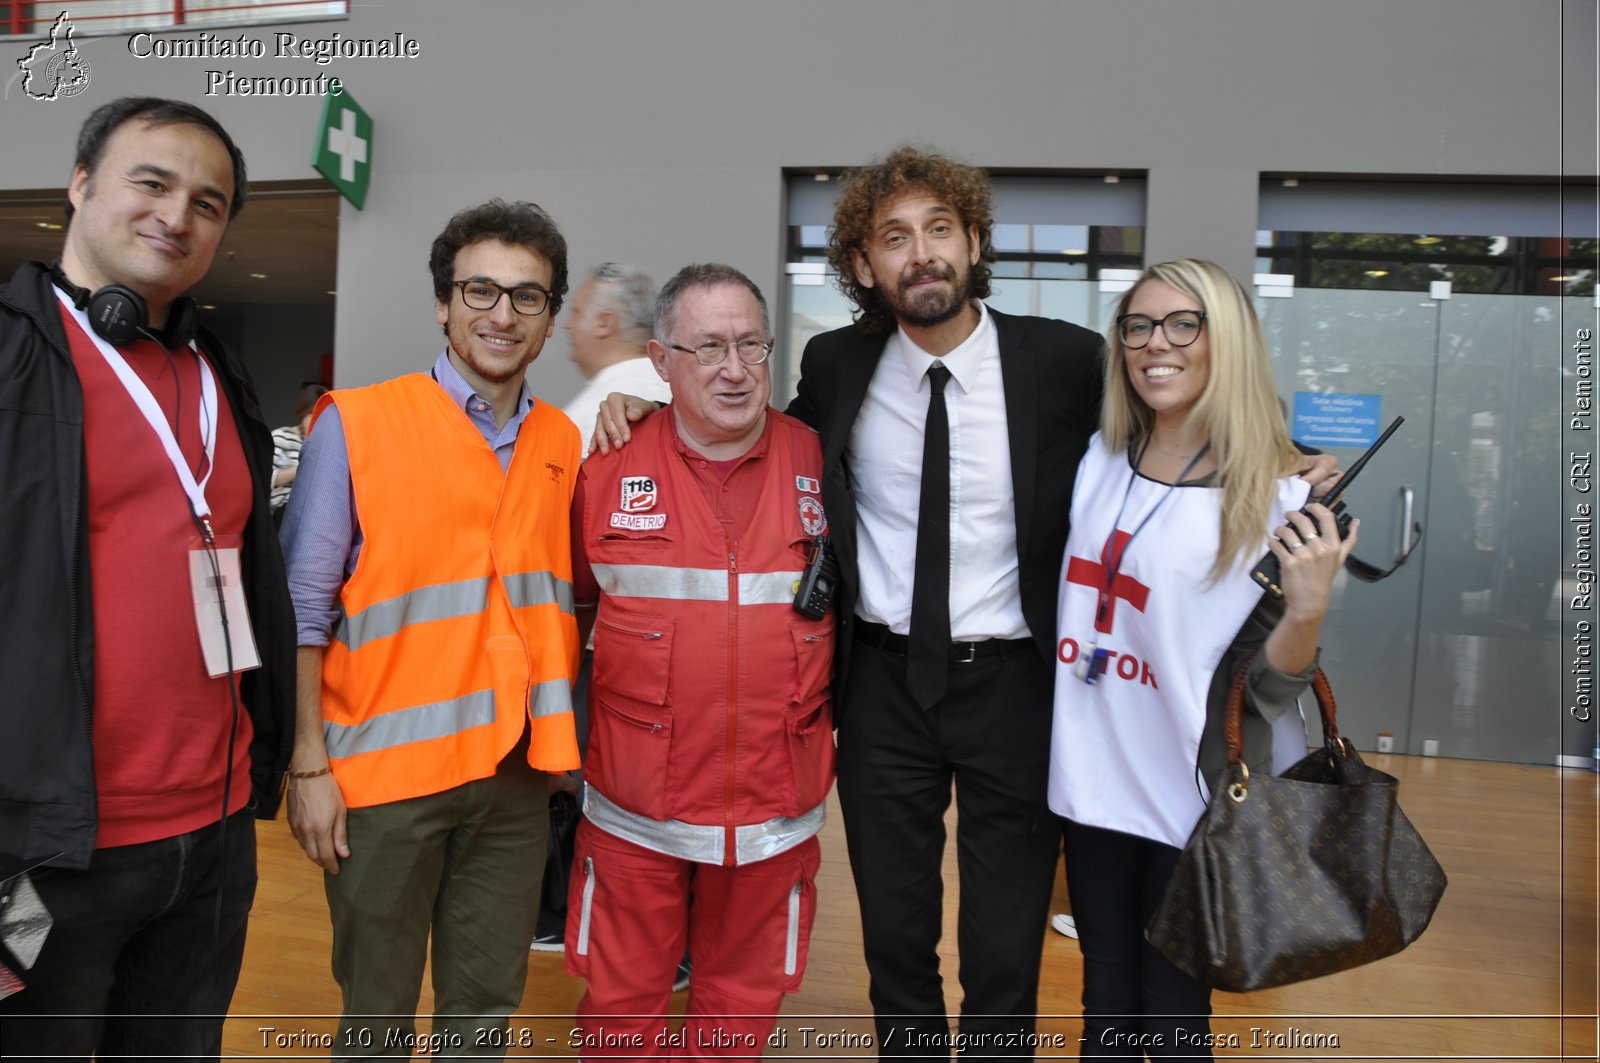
1051, 373
47, 788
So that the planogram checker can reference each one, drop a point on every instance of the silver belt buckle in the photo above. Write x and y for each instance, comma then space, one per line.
972, 653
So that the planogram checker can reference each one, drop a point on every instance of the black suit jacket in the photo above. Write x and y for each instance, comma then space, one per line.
1051, 373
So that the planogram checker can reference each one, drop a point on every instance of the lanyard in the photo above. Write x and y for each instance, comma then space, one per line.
153, 415
1113, 556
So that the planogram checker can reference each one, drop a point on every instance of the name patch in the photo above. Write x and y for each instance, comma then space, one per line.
639, 521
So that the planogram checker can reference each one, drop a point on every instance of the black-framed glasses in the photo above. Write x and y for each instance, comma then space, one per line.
1181, 327
750, 352
529, 301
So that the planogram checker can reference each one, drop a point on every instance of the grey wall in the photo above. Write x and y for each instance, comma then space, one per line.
284, 346
281, 345
659, 132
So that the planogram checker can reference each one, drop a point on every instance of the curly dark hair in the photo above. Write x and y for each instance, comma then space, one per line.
519, 224
906, 169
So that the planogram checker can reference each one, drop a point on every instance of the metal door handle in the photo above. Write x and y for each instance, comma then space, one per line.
1408, 502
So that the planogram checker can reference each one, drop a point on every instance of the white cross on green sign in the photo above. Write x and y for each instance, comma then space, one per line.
344, 147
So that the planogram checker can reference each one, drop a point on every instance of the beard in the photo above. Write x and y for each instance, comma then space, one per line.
935, 306
491, 373
490, 369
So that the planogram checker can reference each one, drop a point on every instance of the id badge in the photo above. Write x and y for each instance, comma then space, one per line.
214, 574
1092, 664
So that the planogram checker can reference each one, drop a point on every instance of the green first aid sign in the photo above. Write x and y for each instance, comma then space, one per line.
344, 147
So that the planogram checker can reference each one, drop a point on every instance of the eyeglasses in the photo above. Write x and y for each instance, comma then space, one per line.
1181, 327
485, 295
751, 352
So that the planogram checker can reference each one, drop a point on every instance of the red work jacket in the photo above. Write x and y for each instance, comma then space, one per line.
710, 702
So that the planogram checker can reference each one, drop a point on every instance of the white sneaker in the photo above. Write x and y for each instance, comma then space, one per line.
1064, 924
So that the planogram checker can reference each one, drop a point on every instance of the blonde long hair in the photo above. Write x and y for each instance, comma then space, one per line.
1238, 409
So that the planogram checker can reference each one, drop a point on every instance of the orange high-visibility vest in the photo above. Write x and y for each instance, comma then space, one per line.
456, 629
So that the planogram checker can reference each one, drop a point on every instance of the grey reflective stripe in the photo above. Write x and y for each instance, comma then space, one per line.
441, 601
695, 584
702, 844
444, 601
767, 588
538, 588
588, 905
791, 945
551, 698
416, 724
663, 581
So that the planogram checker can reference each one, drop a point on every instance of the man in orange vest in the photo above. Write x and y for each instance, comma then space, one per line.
431, 572
710, 738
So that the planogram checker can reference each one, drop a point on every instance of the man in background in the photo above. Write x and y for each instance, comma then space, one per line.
609, 326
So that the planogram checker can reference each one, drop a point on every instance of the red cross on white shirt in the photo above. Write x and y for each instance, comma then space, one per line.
1093, 574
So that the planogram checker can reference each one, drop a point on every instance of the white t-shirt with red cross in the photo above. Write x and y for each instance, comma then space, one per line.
1124, 749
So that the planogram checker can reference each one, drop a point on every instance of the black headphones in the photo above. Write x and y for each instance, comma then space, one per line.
119, 316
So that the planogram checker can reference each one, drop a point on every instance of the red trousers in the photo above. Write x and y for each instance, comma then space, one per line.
630, 911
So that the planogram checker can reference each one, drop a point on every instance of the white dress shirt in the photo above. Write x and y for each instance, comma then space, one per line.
885, 458
631, 376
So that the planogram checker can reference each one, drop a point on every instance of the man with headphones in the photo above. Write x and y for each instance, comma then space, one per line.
146, 635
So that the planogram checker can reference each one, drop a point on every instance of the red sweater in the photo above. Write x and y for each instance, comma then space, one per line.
160, 723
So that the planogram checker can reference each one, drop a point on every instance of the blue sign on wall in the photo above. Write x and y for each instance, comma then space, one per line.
1333, 420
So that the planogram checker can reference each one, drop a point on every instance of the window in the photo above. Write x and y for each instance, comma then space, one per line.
98, 18
1392, 236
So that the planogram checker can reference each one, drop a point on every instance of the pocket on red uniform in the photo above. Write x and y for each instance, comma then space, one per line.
811, 752
580, 906
633, 655
801, 915
813, 659
630, 743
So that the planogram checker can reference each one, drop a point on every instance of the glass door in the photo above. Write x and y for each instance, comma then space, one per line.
1457, 653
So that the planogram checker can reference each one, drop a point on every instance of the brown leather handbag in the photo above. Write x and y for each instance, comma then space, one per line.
1299, 875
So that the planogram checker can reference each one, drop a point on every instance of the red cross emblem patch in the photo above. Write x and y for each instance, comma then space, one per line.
1088, 573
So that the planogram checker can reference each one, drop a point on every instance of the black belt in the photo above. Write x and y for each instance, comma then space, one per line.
960, 652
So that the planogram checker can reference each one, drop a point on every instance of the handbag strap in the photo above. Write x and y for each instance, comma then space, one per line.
1233, 726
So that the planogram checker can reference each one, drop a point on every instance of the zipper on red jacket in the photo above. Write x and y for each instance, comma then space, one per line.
730, 851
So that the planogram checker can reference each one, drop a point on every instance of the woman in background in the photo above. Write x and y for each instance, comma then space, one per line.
1187, 484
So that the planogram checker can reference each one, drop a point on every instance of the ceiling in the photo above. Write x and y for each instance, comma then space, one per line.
288, 231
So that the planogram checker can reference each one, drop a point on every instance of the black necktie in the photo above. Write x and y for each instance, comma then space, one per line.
928, 661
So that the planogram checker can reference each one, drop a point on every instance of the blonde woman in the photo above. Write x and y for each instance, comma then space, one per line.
1189, 481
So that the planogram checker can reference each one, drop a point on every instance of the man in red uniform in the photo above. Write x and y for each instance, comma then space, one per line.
710, 747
